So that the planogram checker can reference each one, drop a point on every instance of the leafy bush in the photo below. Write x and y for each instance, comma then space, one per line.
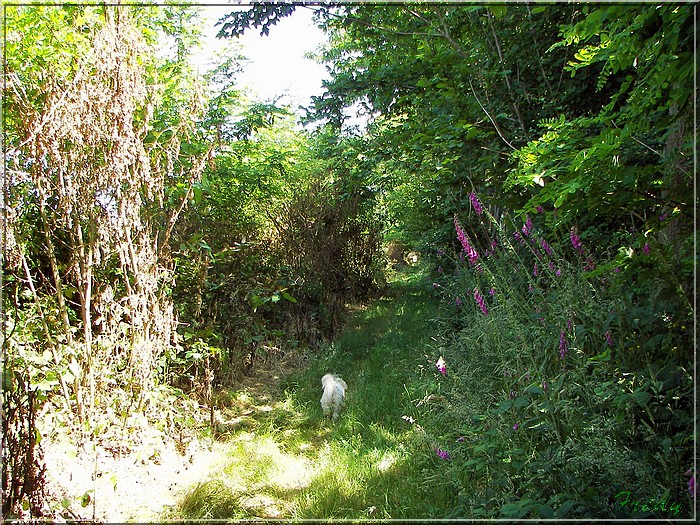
564, 384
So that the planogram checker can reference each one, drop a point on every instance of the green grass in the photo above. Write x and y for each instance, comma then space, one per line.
373, 463
516, 449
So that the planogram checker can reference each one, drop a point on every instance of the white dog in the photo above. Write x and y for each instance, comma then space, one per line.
333, 395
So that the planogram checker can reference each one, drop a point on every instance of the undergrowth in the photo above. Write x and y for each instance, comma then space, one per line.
564, 391
521, 403
375, 462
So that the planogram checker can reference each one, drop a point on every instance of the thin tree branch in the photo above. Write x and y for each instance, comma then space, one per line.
506, 77
495, 124
537, 54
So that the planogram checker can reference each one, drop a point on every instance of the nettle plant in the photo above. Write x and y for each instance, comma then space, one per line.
565, 386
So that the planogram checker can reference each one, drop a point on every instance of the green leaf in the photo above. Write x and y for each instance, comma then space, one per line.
498, 11
641, 397
521, 402
86, 499
289, 297
534, 389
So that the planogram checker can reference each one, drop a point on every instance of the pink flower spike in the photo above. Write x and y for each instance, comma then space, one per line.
691, 486
576, 240
480, 301
608, 339
563, 345
442, 454
546, 247
475, 203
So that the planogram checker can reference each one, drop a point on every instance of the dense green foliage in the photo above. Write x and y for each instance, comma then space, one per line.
163, 235
579, 119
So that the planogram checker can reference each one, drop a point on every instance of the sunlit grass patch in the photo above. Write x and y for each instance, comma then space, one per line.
358, 481
371, 463
258, 479
211, 500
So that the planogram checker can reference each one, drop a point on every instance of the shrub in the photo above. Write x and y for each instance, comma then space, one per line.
565, 378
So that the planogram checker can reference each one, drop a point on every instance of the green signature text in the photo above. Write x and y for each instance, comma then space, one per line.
625, 499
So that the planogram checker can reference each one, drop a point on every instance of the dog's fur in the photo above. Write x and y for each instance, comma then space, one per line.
333, 395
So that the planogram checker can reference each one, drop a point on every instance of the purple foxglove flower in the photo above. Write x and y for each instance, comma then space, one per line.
442, 454
563, 345
608, 339
691, 484
646, 249
458, 301
544, 385
516, 426
540, 209
576, 240
475, 203
546, 247
460, 234
480, 301
473, 255
534, 272
492, 291
468, 248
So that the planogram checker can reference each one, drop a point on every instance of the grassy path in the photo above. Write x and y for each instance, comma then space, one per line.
283, 460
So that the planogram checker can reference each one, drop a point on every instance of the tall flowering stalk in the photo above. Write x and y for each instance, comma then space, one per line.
576, 240
475, 203
442, 454
468, 248
546, 247
480, 301
563, 345
608, 338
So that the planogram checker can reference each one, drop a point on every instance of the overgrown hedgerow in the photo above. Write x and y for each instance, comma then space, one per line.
549, 404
